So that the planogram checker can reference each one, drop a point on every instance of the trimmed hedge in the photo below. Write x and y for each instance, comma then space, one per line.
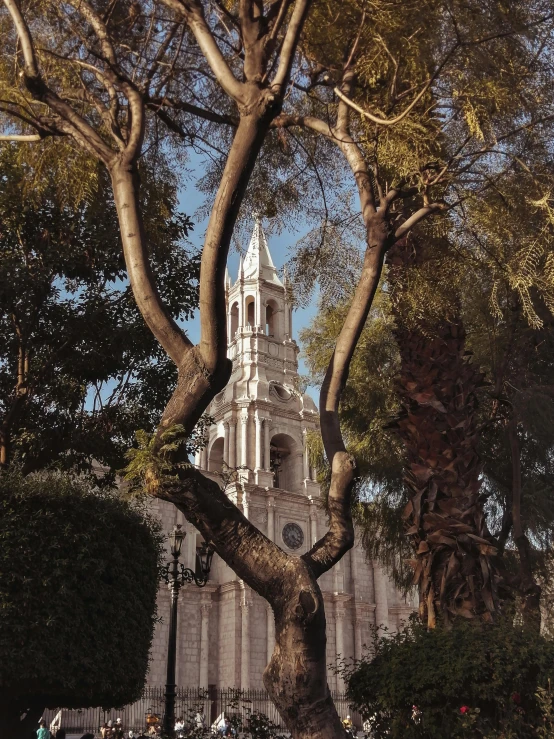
491, 671
78, 583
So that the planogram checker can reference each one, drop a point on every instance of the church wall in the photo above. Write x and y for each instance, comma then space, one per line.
188, 639
258, 641
213, 650
331, 657
229, 637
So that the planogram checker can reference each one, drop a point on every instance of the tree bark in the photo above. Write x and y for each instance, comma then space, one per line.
455, 565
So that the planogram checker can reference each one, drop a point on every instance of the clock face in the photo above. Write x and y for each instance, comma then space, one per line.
293, 536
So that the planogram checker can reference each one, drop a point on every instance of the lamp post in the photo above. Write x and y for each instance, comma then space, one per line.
175, 574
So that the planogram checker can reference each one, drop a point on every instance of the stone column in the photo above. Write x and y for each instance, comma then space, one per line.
259, 442
338, 579
271, 518
204, 457
381, 600
339, 643
270, 632
306, 460
267, 450
245, 503
204, 645
358, 636
198, 458
245, 644
313, 522
226, 443
232, 443
244, 438
353, 570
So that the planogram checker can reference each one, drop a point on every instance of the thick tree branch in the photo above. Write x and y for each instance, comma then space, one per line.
158, 103
149, 302
290, 44
416, 217
255, 559
193, 13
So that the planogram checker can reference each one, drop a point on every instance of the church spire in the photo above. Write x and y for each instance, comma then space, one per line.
258, 263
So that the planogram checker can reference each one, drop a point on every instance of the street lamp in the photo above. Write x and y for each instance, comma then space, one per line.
175, 574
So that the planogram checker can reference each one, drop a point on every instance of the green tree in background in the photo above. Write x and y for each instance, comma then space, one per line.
79, 370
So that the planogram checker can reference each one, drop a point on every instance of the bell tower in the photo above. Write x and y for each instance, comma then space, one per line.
262, 420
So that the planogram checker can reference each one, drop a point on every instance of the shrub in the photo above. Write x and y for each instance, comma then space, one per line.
78, 583
474, 680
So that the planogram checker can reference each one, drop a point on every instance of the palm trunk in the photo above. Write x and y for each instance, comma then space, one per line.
454, 567
530, 590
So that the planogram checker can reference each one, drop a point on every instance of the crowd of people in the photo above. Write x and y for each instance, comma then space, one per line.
222, 726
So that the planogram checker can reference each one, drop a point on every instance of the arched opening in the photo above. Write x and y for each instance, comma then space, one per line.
234, 320
284, 462
215, 461
271, 319
250, 314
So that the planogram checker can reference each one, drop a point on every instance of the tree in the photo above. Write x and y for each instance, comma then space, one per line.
107, 73
78, 586
428, 332
79, 370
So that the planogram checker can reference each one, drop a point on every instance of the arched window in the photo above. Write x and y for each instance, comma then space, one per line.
285, 463
234, 320
270, 320
215, 461
250, 312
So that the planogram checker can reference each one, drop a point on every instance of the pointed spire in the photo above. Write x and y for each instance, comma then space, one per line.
258, 263
227, 280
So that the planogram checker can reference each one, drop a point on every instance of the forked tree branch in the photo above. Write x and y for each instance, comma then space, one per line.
290, 44
193, 13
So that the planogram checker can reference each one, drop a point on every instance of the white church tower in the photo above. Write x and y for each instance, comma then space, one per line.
226, 631
261, 419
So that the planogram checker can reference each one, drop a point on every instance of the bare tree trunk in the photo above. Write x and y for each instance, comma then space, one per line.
296, 677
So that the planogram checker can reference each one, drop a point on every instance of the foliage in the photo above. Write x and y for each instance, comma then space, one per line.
78, 585
152, 465
79, 369
491, 671
368, 404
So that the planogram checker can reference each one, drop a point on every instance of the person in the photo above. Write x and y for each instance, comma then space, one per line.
347, 723
200, 719
223, 725
42, 731
179, 728
117, 730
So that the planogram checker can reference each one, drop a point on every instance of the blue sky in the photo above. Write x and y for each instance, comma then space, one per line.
191, 201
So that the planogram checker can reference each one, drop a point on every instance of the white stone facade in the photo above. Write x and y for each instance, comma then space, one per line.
225, 630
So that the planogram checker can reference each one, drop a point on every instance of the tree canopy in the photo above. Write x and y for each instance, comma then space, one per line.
80, 373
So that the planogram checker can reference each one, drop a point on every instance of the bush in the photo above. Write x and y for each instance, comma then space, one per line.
474, 680
78, 583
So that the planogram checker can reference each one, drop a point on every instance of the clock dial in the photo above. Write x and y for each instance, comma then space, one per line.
293, 536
